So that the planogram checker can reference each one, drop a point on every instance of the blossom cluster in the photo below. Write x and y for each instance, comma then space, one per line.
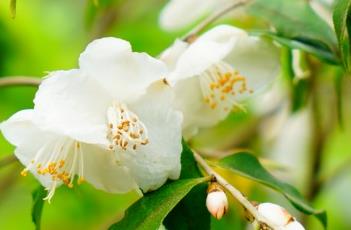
117, 120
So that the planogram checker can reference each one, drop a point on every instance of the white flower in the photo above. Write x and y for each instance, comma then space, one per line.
279, 216
216, 72
180, 13
109, 122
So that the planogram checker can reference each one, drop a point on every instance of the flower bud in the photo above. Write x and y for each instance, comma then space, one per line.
279, 216
216, 202
295, 225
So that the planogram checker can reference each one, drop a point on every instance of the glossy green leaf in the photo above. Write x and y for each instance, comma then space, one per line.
38, 195
318, 51
191, 212
248, 166
149, 212
342, 25
295, 20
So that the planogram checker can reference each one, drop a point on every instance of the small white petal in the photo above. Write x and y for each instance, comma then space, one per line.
276, 214
257, 60
209, 49
123, 73
102, 171
190, 101
180, 13
152, 164
171, 55
217, 204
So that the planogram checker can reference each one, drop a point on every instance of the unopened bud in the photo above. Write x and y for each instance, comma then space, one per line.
295, 225
279, 216
216, 202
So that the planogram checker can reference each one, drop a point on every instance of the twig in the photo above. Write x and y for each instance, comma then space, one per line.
7, 160
216, 15
19, 81
235, 192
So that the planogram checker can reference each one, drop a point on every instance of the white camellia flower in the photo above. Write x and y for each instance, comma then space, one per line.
279, 216
216, 72
110, 123
180, 13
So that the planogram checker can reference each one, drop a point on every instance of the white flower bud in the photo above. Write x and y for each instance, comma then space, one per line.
295, 225
216, 202
279, 216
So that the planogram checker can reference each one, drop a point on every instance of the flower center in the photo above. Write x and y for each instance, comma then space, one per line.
125, 130
65, 161
220, 84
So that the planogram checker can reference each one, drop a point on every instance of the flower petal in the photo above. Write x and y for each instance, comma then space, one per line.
34, 145
209, 49
123, 73
102, 171
28, 139
257, 60
72, 104
158, 160
176, 14
197, 114
171, 55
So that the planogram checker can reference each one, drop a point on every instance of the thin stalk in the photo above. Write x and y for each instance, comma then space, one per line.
212, 18
19, 81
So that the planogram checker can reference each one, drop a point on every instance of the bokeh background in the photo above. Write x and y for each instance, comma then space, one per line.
50, 35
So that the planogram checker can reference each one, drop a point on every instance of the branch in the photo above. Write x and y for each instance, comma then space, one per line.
235, 192
212, 18
19, 81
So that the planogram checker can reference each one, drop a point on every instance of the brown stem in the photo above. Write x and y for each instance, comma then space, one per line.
212, 18
19, 81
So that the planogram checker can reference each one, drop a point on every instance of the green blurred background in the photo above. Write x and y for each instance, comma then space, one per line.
50, 35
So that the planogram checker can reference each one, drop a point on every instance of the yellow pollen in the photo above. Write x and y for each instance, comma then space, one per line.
220, 84
24, 172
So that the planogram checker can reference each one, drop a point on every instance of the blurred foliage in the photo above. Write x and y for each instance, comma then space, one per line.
50, 35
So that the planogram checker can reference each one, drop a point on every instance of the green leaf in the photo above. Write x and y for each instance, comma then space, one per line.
38, 203
13, 8
149, 212
318, 51
295, 20
191, 211
342, 25
248, 166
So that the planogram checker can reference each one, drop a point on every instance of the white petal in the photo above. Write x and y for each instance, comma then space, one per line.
158, 160
102, 171
197, 114
209, 49
120, 71
28, 139
34, 145
171, 55
72, 104
295, 225
18, 127
180, 13
257, 60
276, 214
